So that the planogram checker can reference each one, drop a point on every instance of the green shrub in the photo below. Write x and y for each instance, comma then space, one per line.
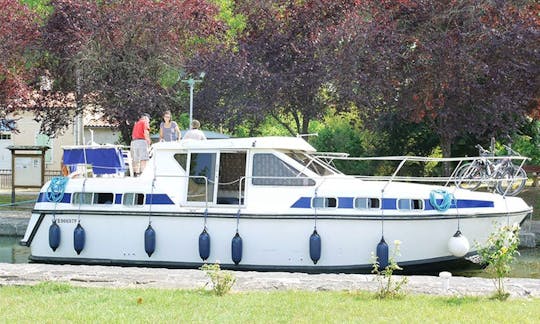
388, 288
498, 253
222, 281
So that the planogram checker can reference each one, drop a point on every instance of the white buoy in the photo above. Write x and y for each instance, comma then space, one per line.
458, 245
445, 276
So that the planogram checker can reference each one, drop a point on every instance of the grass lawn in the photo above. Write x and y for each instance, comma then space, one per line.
53, 302
5, 200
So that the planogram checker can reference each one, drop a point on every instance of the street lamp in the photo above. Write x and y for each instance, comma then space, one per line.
191, 82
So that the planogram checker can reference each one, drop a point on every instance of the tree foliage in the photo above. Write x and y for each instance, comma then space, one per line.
461, 67
279, 66
457, 69
19, 31
122, 55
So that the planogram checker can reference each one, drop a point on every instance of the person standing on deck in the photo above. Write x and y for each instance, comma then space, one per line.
140, 141
168, 129
195, 133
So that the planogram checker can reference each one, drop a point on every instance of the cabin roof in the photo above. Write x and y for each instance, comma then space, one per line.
268, 142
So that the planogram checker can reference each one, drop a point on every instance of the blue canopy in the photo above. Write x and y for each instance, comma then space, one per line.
104, 160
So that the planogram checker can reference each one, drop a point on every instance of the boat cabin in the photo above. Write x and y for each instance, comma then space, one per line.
217, 172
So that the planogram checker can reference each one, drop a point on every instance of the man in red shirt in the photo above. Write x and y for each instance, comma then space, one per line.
140, 141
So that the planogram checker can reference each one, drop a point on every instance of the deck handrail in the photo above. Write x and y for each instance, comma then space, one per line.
319, 180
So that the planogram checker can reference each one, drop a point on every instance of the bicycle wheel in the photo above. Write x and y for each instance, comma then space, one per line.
469, 176
511, 181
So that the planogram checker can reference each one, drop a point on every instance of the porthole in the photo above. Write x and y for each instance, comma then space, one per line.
367, 203
324, 202
133, 199
410, 204
83, 198
103, 198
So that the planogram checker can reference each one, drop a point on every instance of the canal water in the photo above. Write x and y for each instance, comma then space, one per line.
11, 251
527, 264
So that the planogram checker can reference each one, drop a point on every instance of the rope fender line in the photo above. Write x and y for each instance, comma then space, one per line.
18, 203
56, 189
447, 199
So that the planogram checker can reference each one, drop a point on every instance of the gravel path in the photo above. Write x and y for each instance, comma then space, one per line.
132, 277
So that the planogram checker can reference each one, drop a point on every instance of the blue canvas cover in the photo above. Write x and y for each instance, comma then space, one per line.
104, 160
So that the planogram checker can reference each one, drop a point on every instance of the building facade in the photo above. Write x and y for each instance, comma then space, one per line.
96, 131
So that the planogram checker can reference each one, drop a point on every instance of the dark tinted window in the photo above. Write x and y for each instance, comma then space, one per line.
182, 160
269, 170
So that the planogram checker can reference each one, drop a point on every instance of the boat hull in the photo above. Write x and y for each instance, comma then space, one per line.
270, 242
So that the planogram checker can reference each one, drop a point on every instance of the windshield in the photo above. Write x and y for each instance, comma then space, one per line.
313, 164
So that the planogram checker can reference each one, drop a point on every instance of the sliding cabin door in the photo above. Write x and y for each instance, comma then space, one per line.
202, 177
216, 178
232, 182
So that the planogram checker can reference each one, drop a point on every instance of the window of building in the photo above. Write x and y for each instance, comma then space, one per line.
45, 140
269, 170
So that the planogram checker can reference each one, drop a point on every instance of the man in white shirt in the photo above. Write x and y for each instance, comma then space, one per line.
194, 133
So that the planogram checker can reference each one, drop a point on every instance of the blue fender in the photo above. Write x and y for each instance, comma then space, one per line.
149, 240
79, 238
204, 245
315, 247
236, 249
382, 253
54, 236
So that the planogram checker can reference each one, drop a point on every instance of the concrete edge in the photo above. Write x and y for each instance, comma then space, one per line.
119, 277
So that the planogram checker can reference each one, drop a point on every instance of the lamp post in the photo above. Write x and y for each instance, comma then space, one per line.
191, 82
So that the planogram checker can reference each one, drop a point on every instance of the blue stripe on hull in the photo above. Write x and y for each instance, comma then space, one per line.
43, 198
391, 203
302, 202
151, 199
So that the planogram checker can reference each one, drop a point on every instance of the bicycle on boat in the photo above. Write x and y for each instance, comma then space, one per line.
501, 174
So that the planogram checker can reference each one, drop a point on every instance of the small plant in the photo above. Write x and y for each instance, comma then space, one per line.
498, 254
388, 288
222, 281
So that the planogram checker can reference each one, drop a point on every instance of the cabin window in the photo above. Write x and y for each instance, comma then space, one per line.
202, 170
131, 199
324, 202
83, 198
232, 170
269, 170
410, 204
182, 160
103, 198
5, 136
367, 203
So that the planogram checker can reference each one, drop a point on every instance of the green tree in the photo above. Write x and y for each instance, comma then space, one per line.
277, 68
19, 33
126, 56
460, 67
